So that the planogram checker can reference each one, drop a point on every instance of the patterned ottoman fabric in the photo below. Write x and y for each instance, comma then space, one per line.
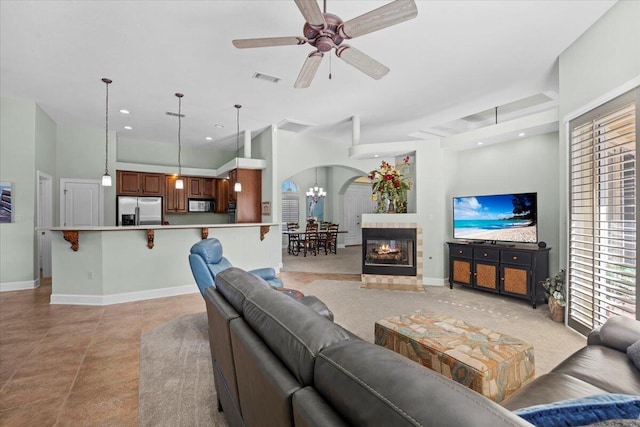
486, 361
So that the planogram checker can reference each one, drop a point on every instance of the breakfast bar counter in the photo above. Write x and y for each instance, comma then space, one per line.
109, 265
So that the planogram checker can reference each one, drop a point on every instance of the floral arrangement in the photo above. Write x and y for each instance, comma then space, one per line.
389, 187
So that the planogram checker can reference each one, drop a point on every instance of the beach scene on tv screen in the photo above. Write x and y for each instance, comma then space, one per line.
504, 217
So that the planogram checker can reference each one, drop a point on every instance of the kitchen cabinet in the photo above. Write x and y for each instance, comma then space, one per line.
233, 178
131, 183
222, 195
512, 270
249, 200
175, 200
200, 187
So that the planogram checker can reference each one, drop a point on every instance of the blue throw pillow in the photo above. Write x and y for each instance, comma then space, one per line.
583, 411
633, 351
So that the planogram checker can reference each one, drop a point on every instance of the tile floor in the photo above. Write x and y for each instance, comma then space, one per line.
65, 365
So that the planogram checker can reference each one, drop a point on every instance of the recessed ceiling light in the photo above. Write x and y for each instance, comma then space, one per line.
128, 127
124, 111
480, 143
376, 156
521, 134
219, 126
209, 138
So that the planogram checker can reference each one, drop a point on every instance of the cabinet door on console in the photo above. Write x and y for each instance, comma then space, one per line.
460, 267
485, 267
516, 267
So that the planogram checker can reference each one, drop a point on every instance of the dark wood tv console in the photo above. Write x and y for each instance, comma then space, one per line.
514, 270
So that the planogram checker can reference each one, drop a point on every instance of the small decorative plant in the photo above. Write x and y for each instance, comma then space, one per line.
555, 287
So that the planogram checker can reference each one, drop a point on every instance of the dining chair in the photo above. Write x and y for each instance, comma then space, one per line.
293, 247
330, 242
310, 241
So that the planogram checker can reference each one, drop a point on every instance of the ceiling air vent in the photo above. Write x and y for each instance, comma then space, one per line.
261, 76
294, 125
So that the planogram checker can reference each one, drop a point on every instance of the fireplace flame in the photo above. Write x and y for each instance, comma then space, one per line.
385, 249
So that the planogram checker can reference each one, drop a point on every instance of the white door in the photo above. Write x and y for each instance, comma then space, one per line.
80, 203
357, 200
45, 220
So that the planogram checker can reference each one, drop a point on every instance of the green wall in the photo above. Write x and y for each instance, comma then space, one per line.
17, 164
596, 65
520, 166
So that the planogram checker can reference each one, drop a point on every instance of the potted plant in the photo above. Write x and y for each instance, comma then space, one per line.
556, 294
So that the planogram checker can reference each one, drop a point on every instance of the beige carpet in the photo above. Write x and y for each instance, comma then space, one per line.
176, 383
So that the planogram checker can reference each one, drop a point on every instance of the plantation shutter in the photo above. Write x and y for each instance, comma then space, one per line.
602, 214
290, 211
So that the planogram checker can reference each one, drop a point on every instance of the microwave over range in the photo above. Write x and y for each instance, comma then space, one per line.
198, 205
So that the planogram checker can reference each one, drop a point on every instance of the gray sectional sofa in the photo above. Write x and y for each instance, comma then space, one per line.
277, 362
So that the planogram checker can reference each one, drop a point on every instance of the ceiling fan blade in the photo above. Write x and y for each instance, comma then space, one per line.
390, 14
362, 62
308, 71
311, 12
267, 42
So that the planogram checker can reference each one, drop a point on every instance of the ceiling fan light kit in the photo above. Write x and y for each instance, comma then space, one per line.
326, 31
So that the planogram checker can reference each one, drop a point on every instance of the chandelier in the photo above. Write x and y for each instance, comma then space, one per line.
315, 192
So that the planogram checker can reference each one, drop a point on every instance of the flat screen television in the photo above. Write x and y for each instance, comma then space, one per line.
498, 217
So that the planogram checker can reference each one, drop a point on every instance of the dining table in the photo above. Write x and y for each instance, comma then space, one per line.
302, 235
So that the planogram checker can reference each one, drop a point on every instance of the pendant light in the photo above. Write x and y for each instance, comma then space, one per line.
237, 187
106, 178
315, 192
179, 181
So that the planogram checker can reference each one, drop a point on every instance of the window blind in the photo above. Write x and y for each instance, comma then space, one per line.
602, 214
290, 211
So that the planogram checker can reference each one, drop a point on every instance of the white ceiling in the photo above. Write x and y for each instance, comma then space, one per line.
455, 60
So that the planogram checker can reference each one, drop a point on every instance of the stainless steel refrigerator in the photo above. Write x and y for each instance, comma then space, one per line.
132, 210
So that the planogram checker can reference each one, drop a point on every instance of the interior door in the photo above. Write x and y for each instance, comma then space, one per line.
357, 200
80, 203
45, 220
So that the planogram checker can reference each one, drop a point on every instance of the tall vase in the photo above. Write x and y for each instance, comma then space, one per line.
392, 207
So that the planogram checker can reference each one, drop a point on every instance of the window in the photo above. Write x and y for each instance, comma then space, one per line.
290, 203
602, 213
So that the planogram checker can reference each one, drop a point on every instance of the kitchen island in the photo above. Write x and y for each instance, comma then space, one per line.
110, 265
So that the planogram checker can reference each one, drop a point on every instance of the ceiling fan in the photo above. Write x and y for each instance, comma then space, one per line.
326, 31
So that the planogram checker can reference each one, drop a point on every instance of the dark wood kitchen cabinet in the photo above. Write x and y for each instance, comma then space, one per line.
175, 200
200, 187
222, 195
249, 200
131, 183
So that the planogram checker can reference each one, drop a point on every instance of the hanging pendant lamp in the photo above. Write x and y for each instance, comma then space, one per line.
106, 178
315, 192
179, 181
237, 187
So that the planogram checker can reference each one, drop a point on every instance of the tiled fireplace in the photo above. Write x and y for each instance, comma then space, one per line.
391, 253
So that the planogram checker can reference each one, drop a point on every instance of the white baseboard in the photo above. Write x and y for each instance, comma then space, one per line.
124, 297
433, 281
19, 286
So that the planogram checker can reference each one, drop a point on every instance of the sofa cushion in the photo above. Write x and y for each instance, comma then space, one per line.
549, 388
369, 385
583, 411
294, 332
236, 285
633, 351
620, 332
603, 367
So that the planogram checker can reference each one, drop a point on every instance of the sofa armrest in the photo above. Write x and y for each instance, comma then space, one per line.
618, 332
266, 273
594, 337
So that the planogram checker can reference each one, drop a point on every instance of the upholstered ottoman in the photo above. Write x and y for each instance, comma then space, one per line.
491, 363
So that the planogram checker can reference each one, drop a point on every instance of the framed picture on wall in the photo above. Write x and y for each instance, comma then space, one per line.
266, 208
6, 202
